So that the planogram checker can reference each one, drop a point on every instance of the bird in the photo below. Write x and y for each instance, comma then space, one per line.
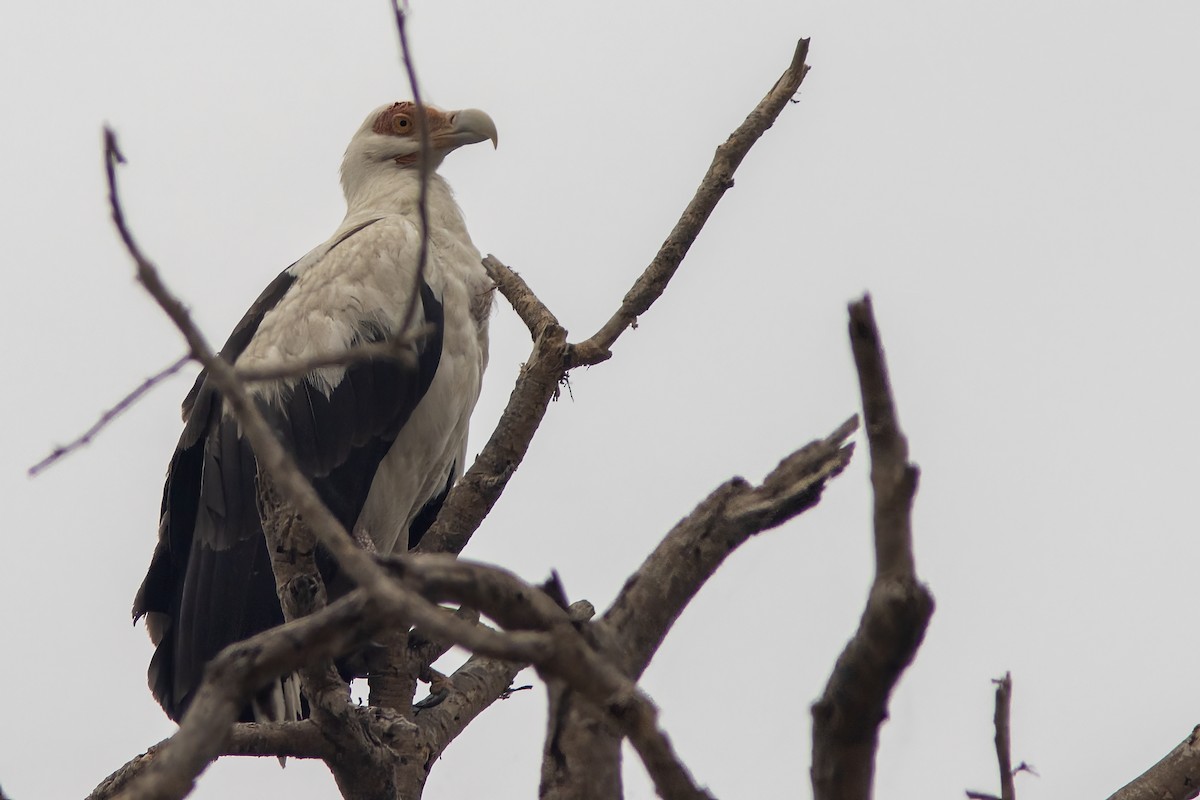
382, 440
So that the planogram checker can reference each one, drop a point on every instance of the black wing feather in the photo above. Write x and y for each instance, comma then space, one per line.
210, 579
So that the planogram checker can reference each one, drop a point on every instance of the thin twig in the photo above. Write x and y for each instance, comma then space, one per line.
424, 161
716, 181
108, 416
394, 687
1008, 790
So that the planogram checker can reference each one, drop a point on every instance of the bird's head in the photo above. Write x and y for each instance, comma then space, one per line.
390, 139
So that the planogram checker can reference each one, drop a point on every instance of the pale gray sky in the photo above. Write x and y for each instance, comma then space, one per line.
1015, 183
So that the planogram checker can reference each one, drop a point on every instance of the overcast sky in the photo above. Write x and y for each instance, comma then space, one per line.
1015, 183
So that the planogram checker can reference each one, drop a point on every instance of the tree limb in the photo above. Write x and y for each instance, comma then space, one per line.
301, 739
653, 281
476, 685
478, 490
846, 719
473, 687
1000, 720
516, 291
654, 596
473, 497
1008, 790
108, 416
1175, 777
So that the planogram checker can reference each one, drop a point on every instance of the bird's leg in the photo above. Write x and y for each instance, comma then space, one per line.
439, 688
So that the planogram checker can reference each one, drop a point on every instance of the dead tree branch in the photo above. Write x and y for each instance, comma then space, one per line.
424, 160
846, 719
654, 596
473, 497
230, 679
301, 739
1175, 777
516, 291
115, 784
478, 490
653, 281
1003, 744
108, 416
581, 742
516, 606
1008, 790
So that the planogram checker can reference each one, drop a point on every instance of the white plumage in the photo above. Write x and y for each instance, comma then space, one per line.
382, 440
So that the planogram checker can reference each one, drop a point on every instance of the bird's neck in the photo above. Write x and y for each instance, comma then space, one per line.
394, 192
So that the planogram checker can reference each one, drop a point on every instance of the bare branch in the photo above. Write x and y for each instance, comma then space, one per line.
529, 308
424, 160
473, 497
473, 687
115, 783
518, 606
653, 281
1175, 777
654, 597
292, 739
108, 416
427, 649
478, 490
1008, 790
231, 678
846, 719
301, 592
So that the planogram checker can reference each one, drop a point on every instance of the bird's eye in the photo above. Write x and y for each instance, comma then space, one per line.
401, 124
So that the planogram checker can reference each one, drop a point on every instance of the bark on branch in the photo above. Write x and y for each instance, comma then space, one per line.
1008, 790
1000, 720
654, 596
582, 751
846, 719
1175, 777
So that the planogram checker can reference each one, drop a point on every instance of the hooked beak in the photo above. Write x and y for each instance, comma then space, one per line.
468, 126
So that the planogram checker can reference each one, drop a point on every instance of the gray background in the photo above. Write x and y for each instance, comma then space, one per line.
1015, 183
